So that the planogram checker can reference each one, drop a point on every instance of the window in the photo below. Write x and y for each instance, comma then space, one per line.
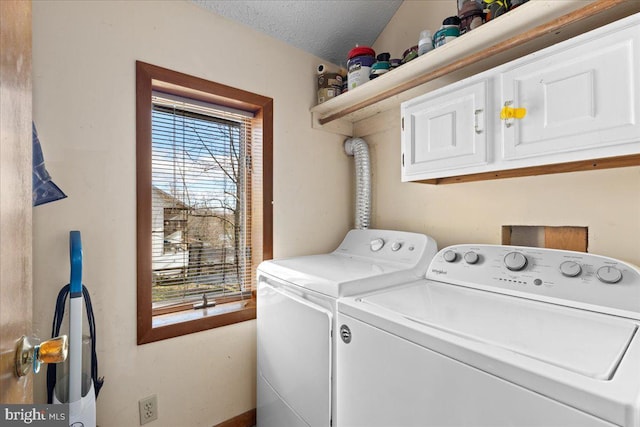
204, 191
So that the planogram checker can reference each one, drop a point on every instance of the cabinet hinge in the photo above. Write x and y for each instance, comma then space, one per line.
402, 159
403, 123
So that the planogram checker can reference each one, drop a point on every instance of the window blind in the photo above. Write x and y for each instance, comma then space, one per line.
202, 190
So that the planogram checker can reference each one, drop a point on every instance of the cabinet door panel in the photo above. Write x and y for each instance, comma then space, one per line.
445, 131
577, 99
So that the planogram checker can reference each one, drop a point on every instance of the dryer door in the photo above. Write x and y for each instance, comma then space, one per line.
294, 359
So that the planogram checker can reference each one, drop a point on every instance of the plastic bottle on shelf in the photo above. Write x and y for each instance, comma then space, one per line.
425, 43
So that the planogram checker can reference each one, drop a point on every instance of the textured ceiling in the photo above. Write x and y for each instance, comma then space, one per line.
325, 28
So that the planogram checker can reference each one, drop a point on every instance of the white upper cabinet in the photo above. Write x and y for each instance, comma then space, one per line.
577, 100
578, 97
445, 131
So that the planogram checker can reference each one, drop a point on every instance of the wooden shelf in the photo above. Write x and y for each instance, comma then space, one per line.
524, 30
578, 166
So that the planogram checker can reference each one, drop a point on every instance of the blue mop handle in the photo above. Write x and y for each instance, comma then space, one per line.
75, 254
75, 321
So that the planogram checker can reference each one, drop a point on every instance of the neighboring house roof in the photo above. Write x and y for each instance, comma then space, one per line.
168, 198
175, 237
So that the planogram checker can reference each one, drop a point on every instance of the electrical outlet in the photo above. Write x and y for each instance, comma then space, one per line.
148, 409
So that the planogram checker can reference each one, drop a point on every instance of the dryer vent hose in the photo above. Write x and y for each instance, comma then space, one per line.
358, 148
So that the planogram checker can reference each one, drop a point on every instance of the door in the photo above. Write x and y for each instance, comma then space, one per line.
294, 359
581, 99
15, 194
445, 132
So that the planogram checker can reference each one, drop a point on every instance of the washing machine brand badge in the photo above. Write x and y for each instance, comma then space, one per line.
345, 334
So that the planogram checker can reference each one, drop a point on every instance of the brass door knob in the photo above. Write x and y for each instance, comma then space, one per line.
30, 356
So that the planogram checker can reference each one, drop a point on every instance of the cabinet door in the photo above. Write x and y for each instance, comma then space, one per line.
445, 131
582, 99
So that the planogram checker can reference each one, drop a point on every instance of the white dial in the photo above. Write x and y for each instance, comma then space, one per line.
395, 246
376, 244
450, 256
608, 274
471, 257
515, 261
570, 269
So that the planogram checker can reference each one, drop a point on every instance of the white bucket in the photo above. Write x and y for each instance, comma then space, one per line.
361, 58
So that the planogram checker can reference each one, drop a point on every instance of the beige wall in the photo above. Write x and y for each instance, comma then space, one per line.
84, 97
413, 16
607, 202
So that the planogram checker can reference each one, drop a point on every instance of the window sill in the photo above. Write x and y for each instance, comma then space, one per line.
189, 321
197, 314
162, 309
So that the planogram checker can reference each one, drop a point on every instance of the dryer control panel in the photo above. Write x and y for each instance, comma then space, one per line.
408, 250
570, 278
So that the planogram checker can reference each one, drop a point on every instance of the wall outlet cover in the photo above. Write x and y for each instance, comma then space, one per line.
148, 409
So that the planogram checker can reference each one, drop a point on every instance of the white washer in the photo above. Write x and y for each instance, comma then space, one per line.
495, 336
296, 312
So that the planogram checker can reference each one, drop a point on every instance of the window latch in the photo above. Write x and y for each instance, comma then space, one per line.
204, 303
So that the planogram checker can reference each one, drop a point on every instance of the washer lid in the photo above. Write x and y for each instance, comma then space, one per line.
336, 275
588, 343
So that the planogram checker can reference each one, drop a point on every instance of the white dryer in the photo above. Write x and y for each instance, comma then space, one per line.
296, 318
495, 336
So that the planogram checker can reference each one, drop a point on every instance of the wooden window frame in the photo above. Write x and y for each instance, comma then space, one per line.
148, 78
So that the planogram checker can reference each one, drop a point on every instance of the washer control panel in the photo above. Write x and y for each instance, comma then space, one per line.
575, 278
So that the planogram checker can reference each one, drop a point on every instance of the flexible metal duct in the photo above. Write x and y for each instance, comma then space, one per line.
358, 148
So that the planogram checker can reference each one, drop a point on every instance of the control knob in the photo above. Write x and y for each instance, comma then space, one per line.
570, 269
515, 261
395, 246
608, 274
450, 256
471, 257
376, 244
